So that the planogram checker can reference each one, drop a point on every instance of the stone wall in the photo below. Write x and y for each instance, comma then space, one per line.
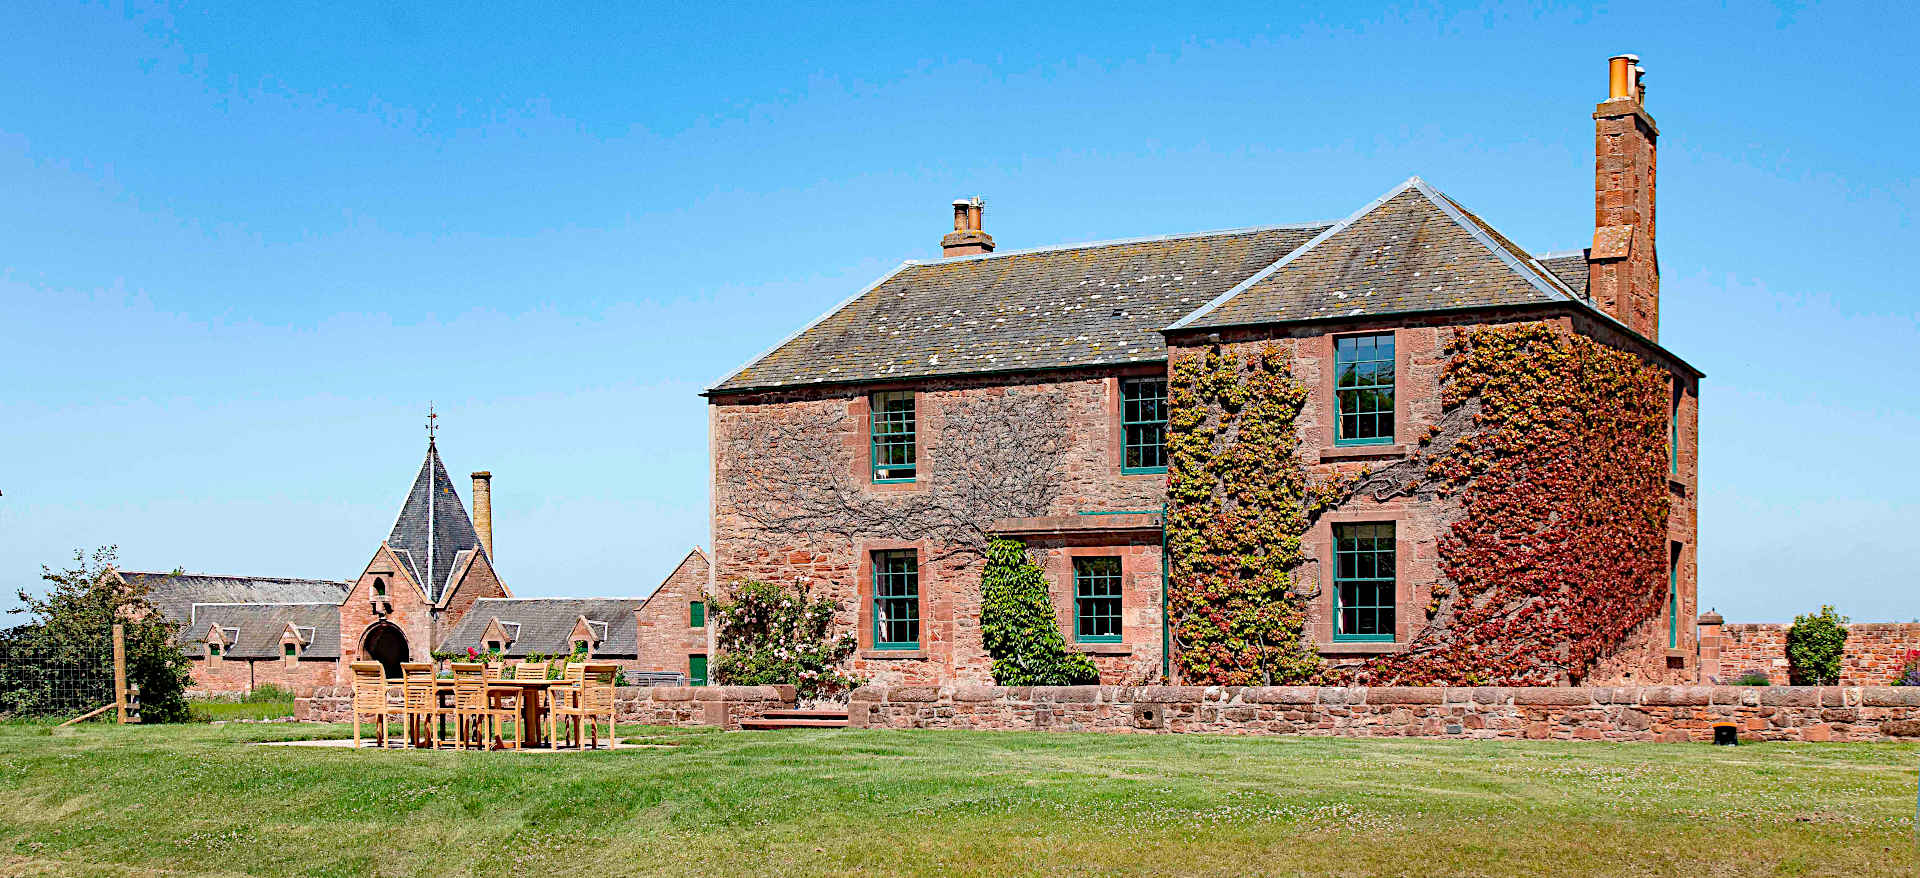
723, 706
219, 675
830, 517
1874, 653
1600, 713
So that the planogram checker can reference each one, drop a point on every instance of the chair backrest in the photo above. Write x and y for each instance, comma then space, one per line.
596, 686
495, 670
574, 672
530, 671
469, 686
369, 686
417, 687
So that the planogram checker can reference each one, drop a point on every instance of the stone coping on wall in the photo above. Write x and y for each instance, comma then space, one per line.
1619, 713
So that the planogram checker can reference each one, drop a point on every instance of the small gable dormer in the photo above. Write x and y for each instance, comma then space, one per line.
587, 634
499, 636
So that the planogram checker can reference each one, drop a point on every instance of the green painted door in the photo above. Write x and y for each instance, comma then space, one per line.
697, 670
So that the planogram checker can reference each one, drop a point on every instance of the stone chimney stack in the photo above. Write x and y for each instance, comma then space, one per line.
483, 510
1623, 271
967, 239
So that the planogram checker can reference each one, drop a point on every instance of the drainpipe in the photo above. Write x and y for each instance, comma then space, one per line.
1166, 623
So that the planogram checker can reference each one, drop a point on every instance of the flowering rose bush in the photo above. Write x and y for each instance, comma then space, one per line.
775, 635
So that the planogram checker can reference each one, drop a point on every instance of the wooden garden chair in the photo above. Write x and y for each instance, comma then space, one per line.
566, 693
473, 705
371, 693
420, 699
591, 699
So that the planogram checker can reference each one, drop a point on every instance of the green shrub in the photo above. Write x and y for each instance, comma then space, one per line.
76, 617
1815, 644
770, 635
1018, 625
266, 693
1752, 678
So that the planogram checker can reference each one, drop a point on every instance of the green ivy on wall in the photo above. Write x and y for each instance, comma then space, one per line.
1238, 501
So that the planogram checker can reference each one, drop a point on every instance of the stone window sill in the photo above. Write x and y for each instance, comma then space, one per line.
1104, 648
1359, 647
1361, 452
893, 653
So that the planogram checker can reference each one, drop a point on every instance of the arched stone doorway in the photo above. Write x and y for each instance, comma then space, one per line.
384, 643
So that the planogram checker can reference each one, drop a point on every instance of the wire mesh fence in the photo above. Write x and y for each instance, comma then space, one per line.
40, 678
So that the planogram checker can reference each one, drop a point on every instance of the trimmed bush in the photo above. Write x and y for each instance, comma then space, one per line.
1815, 644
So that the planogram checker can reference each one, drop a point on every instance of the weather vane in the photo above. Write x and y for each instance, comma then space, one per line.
431, 417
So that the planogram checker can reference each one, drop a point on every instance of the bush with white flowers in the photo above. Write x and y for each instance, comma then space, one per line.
779, 635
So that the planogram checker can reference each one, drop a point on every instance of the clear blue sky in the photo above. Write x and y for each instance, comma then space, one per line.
242, 247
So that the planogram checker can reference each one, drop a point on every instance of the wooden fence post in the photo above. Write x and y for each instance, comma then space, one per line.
120, 671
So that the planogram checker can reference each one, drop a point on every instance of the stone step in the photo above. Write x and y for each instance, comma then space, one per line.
804, 714
767, 724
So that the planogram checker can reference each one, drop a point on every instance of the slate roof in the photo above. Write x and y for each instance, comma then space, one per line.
175, 594
1413, 249
546, 624
433, 528
1076, 305
259, 627
1570, 267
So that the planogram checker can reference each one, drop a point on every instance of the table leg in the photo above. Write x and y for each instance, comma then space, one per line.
530, 716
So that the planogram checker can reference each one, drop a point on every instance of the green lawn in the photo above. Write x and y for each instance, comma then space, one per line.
196, 799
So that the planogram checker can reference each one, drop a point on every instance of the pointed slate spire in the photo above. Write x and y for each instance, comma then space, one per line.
433, 527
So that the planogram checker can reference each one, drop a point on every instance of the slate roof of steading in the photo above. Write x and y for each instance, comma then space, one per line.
546, 624
256, 630
174, 594
1107, 303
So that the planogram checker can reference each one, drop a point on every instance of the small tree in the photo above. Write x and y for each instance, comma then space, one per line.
1815, 644
774, 635
1018, 626
78, 613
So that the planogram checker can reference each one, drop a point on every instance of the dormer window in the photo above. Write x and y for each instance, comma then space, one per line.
493, 646
379, 587
289, 648
579, 646
213, 649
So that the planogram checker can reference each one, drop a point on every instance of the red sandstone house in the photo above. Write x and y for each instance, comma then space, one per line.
430, 586
1025, 394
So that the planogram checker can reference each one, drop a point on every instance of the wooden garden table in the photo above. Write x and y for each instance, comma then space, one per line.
529, 692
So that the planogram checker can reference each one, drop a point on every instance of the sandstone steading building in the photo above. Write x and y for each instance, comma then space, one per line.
429, 587
1025, 394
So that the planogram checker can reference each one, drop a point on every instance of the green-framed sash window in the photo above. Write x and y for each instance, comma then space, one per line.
697, 670
213, 649
1673, 598
697, 614
1143, 424
1363, 581
287, 649
896, 599
1096, 600
1673, 433
892, 429
1363, 389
